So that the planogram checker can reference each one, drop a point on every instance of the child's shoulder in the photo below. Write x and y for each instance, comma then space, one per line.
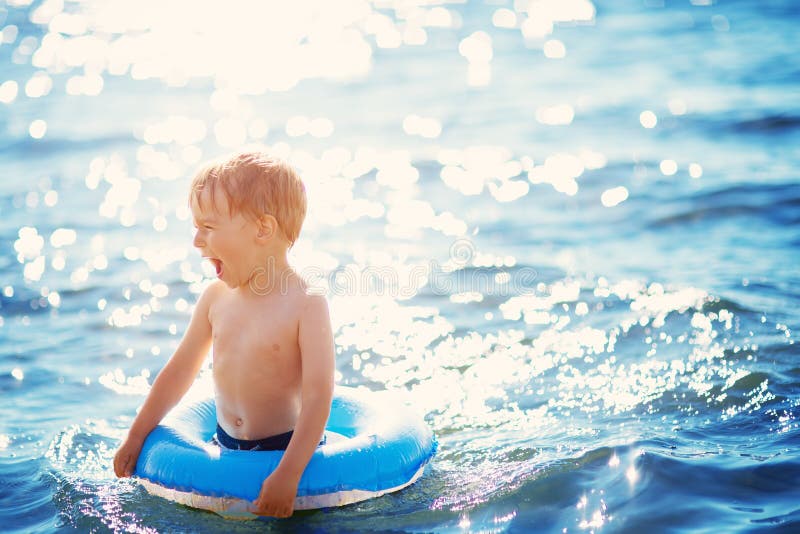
305, 292
313, 312
305, 296
211, 293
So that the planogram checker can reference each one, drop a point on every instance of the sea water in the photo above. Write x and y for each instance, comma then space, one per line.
567, 231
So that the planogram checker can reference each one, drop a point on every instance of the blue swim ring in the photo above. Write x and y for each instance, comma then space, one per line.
373, 447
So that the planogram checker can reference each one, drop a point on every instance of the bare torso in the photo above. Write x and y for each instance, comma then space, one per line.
256, 361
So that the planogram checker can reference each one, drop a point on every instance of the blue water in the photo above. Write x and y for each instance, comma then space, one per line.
576, 252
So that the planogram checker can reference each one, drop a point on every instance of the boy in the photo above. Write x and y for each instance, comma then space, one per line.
273, 360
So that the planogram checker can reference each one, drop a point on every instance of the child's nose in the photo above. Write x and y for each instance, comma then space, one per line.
199, 240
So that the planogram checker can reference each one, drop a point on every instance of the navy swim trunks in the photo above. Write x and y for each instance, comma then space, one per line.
278, 442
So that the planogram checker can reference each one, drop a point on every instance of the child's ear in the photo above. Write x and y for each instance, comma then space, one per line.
267, 227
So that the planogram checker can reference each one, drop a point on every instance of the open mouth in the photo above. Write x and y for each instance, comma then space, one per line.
217, 266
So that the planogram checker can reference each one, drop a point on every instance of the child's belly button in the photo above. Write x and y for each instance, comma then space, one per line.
239, 421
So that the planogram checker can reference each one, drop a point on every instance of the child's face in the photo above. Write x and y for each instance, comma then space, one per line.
226, 240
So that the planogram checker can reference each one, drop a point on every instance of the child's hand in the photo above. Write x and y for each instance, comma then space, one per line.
277, 496
125, 459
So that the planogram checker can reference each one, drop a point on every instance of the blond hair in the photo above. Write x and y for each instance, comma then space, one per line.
254, 185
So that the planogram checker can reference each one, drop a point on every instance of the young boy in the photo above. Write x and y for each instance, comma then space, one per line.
273, 360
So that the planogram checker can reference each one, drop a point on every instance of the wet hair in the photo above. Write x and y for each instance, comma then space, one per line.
255, 184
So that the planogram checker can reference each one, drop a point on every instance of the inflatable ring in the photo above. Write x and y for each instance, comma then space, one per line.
371, 449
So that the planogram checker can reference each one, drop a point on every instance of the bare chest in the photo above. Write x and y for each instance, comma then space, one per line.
254, 340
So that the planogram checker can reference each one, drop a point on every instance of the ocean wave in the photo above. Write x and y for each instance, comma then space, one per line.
769, 124
775, 203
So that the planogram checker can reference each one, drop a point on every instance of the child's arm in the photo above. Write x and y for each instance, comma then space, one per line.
171, 384
317, 360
